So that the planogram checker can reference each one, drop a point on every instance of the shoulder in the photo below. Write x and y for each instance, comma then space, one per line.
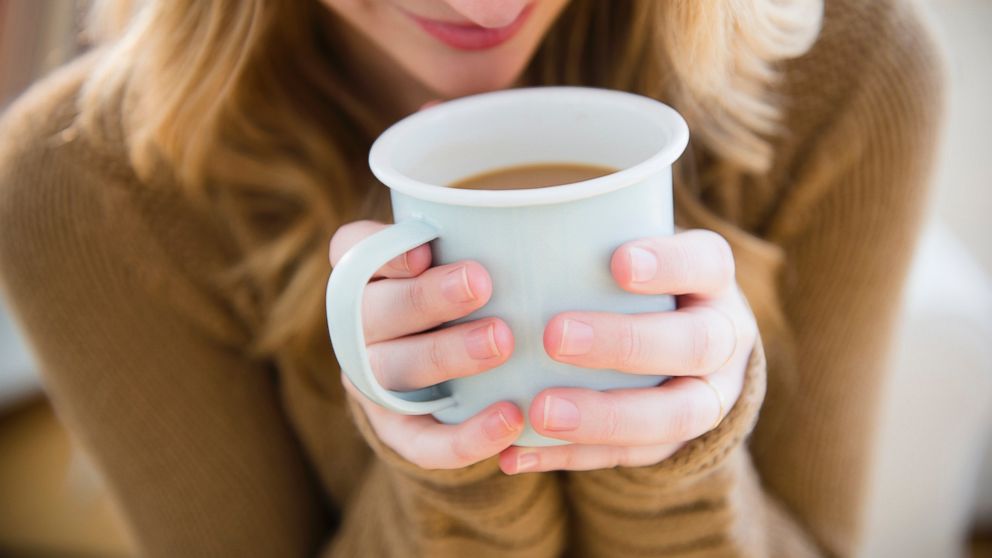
55, 173
73, 212
864, 109
64, 203
61, 192
874, 58
37, 132
49, 172
46, 107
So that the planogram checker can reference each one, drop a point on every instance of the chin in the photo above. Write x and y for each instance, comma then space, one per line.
467, 79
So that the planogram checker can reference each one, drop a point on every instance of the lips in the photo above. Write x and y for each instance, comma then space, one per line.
471, 37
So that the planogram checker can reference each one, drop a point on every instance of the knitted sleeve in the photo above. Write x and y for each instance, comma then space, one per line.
147, 367
141, 362
404, 510
847, 230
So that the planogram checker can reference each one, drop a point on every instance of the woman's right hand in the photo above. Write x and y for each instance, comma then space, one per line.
405, 299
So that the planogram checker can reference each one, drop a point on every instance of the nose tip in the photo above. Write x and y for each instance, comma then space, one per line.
489, 13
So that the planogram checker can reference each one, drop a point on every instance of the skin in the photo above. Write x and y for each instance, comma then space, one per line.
396, 56
710, 335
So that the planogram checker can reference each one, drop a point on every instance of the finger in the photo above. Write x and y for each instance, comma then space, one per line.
418, 361
698, 262
431, 445
397, 307
408, 264
693, 341
679, 410
580, 457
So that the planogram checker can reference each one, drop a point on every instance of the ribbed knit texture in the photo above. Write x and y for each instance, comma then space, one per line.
211, 452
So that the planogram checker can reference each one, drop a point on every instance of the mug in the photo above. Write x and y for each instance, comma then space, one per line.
547, 249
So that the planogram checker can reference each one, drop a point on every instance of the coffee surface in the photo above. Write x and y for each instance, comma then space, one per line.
524, 177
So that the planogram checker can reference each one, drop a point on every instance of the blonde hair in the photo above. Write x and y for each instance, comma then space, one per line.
242, 98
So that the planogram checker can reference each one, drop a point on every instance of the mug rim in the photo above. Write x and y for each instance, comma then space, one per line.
380, 155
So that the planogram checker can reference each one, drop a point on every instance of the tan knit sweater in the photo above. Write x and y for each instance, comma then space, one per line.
211, 452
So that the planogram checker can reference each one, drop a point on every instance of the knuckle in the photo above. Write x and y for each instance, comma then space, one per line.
390, 434
461, 450
411, 446
700, 344
630, 345
710, 236
681, 269
750, 332
414, 454
342, 231
726, 269
725, 338
344, 238
733, 337
748, 327
369, 313
684, 420
336, 248
723, 255
611, 425
376, 364
416, 296
437, 357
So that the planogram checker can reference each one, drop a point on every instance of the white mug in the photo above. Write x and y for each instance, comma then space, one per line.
547, 250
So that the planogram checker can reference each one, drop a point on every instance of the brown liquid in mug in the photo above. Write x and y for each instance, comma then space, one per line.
525, 177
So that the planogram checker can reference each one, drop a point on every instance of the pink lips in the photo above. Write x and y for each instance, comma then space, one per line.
471, 37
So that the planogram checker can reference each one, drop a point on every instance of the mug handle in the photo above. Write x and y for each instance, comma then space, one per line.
344, 315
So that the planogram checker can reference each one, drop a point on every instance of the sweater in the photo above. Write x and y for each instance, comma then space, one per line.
210, 450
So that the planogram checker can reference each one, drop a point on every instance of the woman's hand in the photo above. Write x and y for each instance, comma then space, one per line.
710, 336
405, 298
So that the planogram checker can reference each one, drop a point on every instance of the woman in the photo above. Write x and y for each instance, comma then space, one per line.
166, 203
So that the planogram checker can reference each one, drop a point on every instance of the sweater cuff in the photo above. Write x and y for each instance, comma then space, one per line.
475, 473
701, 456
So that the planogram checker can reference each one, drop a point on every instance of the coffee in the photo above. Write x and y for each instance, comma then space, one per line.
525, 177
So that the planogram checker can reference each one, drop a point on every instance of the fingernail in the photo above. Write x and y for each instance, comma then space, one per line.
481, 342
455, 286
643, 264
527, 461
576, 338
560, 414
497, 427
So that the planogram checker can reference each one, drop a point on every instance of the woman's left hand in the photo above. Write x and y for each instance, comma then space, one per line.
704, 346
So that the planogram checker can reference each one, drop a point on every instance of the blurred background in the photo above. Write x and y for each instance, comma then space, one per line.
932, 489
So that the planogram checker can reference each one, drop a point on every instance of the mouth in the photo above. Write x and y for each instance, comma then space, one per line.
471, 37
